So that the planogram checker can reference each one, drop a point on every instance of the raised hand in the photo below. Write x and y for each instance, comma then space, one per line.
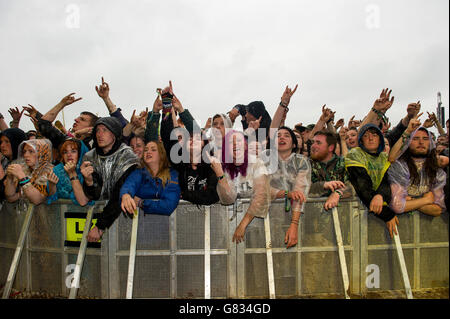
157, 105
339, 123
342, 132
383, 103
430, 121
103, 89
353, 123
69, 99
287, 94
16, 114
208, 123
233, 114
414, 123
413, 109
255, 124
32, 112
177, 105
325, 113
216, 165
385, 126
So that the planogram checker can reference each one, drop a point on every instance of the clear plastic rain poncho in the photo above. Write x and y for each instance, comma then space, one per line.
402, 186
252, 181
292, 174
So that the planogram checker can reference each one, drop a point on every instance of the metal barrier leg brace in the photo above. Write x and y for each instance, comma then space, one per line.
270, 273
81, 253
344, 272
132, 259
18, 253
207, 252
401, 260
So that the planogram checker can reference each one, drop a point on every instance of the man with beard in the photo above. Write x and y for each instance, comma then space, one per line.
417, 182
328, 175
367, 165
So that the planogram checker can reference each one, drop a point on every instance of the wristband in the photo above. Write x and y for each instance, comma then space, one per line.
220, 177
74, 178
24, 181
283, 105
339, 193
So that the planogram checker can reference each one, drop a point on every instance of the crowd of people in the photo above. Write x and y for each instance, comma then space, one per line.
162, 156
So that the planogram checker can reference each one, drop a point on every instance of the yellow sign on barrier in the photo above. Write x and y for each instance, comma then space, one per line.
75, 223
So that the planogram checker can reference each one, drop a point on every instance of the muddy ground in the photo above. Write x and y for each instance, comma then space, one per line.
428, 293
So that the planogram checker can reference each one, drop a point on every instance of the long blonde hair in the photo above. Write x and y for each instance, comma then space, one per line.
164, 165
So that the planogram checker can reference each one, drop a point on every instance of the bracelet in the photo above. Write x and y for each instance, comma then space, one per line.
381, 115
220, 177
24, 180
294, 222
405, 136
339, 193
74, 178
283, 105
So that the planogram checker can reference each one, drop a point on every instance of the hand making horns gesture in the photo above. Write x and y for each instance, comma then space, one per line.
287, 94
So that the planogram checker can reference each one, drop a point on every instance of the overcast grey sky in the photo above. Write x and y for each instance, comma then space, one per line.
221, 53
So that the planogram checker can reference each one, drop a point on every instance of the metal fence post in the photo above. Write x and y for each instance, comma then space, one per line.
207, 252
18, 252
270, 274
344, 272
81, 253
132, 258
403, 269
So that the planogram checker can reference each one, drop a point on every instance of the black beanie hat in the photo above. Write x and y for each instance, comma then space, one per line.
15, 137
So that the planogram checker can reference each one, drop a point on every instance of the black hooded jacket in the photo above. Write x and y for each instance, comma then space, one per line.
112, 209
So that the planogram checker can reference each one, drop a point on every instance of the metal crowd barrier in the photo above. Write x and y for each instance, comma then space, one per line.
190, 254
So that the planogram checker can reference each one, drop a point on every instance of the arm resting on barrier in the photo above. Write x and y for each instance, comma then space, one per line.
363, 187
260, 201
206, 196
226, 191
112, 210
167, 203
431, 209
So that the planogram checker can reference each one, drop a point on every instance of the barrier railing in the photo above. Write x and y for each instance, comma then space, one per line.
190, 254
